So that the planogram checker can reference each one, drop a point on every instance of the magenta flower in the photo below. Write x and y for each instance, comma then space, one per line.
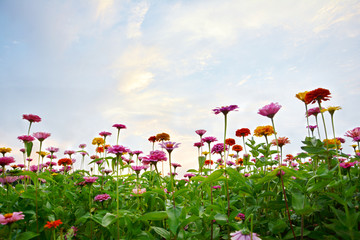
169, 146
22, 150
31, 118
41, 136
154, 157
347, 164
90, 179
138, 191
106, 171
8, 179
52, 149
243, 235
11, 217
82, 146
312, 127
69, 152
137, 152
198, 144
102, 197
200, 132
83, 153
225, 110
313, 112
175, 165
119, 126
105, 134
137, 168
34, 168
209, 139
269, 110
354, 134
216, 187
189, 175
26, 138
118, 149
218, 148
6, 161
21, 165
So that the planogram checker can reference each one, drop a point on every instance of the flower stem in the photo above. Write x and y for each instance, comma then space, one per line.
244, 144
322, 116
317, 124
287, 207
307, 118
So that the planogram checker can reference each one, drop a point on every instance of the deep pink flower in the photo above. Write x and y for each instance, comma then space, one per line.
209, 139
69, 152
82, 146
216, 187
90, 179
225, 110
311, 127
119, 126
200, 132
189, 175
52, 149
175, 165
354, 134
26, 138
137, 152
102, 197
6, 161
269, 110
84, 153
347, 164
105, 134
118, 149
313, 112
22, 150
11, 217
8, 179
154, 157
198, 144
41, 136
137, 168
31, 117
218, 148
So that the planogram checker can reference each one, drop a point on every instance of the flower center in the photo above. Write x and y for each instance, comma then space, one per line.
8, 215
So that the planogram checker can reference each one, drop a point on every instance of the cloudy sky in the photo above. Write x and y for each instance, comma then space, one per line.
162, 66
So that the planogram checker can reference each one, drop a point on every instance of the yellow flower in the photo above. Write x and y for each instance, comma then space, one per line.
54, 174
4, 150
301, 95
263, 131
331, 110
231, 155
332, 143
205, 153
98, 141
42, 153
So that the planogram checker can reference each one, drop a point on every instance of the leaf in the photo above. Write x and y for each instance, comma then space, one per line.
277, 226
26, 235
28, 147
155, 216
336, 197
162, 232
108, 219
201, 160
221, 218
314, 150
317, 186
180, 192
214, 176
174, 219
235, 175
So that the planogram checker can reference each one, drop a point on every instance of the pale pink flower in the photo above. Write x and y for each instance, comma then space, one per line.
11, 217
102, 197
269, 110
41, 136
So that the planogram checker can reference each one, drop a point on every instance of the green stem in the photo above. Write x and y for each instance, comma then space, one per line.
307, 118
117, 196
322, 116
317, 124
29, 128
244, 144
38, 169
277, 143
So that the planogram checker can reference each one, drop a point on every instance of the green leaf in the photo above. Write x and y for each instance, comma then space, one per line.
235, 175
28, 147
162, 232
317, 186
214, 176
336, 197
26, 235
155, 216
180, 192
108, 219
221, 218
174, 219
301, 204
277, 226
201, 161
314, 150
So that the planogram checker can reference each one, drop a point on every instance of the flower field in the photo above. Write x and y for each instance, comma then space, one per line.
241, 191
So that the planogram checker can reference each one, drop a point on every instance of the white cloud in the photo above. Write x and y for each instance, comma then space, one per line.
136, 18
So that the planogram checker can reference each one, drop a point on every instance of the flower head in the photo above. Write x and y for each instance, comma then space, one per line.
209, 139
237, 148
218, 148
198, 144
31, 118
200, 132
313, 111
347, 164
225, 110
41, 136
264, 131
216, 187
189, 175
354, 134
154, 157
52, 149
64, 162
98, 141
118, 150
230, 141
53, 224
11, 217
90, 179
240, 217
209, 162
169, 146
69, 152
4, 150
102, 197
319, 94
119, 126
82, 146
137, 168
105, 134
281, 141
138, 191
6, 161
312, 127
244, 235
162, 137
331, 110
175, 165
301, 96
269, 110
152, 139
242, 132
332, 143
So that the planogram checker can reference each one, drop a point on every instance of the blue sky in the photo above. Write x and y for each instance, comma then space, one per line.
161, 66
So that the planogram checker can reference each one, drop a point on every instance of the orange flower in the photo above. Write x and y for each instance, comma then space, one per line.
230, 141
209, 162
53, 224
64, 161
98, 141
239, 161
319, 94
263, 131
100, 149
281, 141
162, 137
237, 148
330, 143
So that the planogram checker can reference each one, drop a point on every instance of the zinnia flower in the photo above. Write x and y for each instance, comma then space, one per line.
354, 134
162, 137
301, 96
209, 139
240, 217
242, 132
41, 136
225, 110
138, 191
218, 148
102, 197
244, 235
332, 143
281, 141
53, 224
6, 161
269, 110
82, 146
189, 175
347, 164
237, 148
90, 179
264, 131
216, 187
230, 141
169, 146
209, 162
64, 161
200, 132
119, 126
331, 110
152, 139
118, 150
52, 149
313, 111
4, 150
312, 127
137, 168
31, 118
11, 217
319, 94
26, 138
98, 141
198, 144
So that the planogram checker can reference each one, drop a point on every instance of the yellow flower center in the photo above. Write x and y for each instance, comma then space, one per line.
8, 215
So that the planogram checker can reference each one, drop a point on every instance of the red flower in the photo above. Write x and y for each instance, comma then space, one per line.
53, 224
243, 132
64, 161
319, 94
237, 148
152, 139
209, 162
230, 141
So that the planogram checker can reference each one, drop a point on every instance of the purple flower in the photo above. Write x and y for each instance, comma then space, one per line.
90, 179
105, 134
41, 136
225, 110
119, 126
52, 149
239, 235
26, 138
269, 110
169, 146
200, 132
230, 163
6, 161
102, 197
209, 139
118, 149
218, 148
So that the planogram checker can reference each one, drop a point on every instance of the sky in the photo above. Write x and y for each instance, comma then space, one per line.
162, 66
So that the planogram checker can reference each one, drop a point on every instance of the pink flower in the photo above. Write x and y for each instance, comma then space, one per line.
137, 152
137, 168
218, 148
22, 150
138, 191
225, 110
216, 187
175, 165
239, 235
52, 149
169, 146
31, 117
189, 175
209, 139
198, 144
119, 126
313, 112
102, 197
26, 138
90, 179
347, 164
269, 110
354, 134
41, 136
6, 161
200, 132
8, 179
11, 217
82, 146
69, 152
105, 134
154, 157
118, 149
